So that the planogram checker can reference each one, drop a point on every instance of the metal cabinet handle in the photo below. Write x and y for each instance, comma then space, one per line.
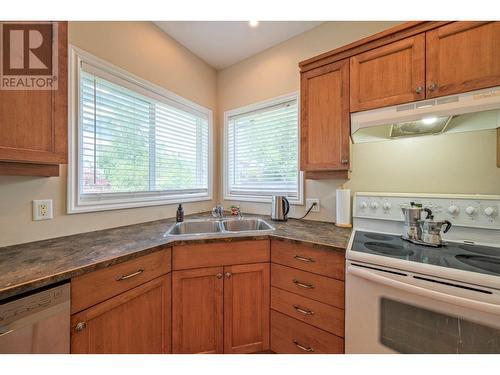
80, 326
419, 89
304, 259
303, 311
344, 161
219, 275
228, 275
125, 277
303, 285
306, 349
432, 86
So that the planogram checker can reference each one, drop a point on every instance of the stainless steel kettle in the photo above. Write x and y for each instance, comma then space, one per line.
412, 215
431, 230
279, 208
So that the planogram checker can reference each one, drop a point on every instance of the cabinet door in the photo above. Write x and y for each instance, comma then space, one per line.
388, 75
134, 322
246, 308
325, 118
33, 123
462, 56
197, 311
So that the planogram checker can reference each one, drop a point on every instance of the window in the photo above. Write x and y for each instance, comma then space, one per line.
133, 144
262, 151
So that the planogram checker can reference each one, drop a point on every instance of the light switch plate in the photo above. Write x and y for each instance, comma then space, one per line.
310, 201
42, 209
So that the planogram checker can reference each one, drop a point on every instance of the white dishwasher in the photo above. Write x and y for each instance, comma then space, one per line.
36, 323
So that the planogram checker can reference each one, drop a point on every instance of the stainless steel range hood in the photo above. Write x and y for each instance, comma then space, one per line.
477, 110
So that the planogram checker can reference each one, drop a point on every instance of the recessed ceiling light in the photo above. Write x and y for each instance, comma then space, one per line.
429, 120
253, 23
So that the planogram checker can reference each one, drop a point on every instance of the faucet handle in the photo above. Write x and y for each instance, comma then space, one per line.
218, 211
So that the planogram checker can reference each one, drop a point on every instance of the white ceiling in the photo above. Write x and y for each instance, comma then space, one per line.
223, 43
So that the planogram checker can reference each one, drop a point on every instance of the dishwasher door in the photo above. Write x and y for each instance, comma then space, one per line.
37, 323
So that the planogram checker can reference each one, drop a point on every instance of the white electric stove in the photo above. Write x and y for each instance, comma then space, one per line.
408, 298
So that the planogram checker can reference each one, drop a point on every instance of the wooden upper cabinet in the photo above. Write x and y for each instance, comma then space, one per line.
197, 311
325, 118
388, 75
462, 56
33, 123
246, 308
134, 322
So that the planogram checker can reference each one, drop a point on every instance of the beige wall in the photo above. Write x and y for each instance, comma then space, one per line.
457, 163
146, 51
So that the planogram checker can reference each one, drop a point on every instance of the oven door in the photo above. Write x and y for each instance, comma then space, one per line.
392, 311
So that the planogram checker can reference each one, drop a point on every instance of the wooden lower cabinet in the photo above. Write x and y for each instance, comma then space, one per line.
291, 336
246, 308
134, 322
221, 309
197, 310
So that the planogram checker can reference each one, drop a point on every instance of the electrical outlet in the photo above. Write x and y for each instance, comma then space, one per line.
42, 209
310, 201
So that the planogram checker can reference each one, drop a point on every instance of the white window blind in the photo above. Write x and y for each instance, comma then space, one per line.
262, 151
135, 145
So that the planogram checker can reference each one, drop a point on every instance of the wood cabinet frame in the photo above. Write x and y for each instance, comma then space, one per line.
19, 161
342, 145
416, 44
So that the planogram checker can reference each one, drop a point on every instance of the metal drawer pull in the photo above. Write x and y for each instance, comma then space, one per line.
303, 311
304, 259
309, 349
125, 277
303, 285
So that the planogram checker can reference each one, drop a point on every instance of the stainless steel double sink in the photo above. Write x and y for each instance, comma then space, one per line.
219, 228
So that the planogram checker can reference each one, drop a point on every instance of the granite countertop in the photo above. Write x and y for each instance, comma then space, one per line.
29, 266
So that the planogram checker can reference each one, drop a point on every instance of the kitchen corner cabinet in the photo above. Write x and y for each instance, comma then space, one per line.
33, 123
325, 118
223, 308
462, 56
134, 322
388, 75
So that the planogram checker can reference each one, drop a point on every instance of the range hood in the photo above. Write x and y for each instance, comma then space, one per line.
476, 110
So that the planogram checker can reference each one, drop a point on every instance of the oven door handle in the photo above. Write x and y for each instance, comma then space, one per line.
455, 300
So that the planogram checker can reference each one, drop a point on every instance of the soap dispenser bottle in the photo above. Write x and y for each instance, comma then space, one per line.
179, 217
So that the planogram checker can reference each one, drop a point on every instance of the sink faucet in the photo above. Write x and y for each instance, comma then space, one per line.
218, 211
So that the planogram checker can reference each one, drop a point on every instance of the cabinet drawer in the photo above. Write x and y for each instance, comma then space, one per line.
292, 336
322, 261
319, 288
220, 254
94, 287
318, 314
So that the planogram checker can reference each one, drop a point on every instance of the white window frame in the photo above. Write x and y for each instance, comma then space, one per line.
227, 195
115, 201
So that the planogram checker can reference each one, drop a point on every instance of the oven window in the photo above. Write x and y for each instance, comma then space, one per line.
413, 330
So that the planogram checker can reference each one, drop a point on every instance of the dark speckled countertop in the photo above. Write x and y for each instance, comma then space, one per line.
33, 265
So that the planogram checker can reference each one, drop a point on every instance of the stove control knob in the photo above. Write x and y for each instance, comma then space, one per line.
374, 205
386, 206
489, 211
470, 210
363, 205
453, 209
